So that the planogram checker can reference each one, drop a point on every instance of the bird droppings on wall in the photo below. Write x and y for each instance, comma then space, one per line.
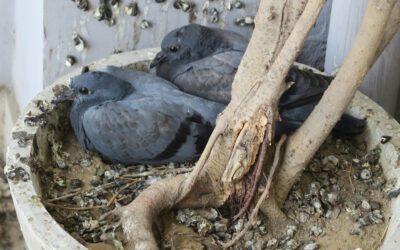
79, 43
132, 9
184, 5
238, 4
70, 61
245, 21
110, 26
103, 12
82, 4
214, 15
145, 24
115, 4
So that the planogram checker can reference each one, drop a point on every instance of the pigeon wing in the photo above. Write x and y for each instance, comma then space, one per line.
210, 77
148, 131
308, 88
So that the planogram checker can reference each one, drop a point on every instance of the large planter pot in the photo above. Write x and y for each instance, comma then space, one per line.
28, 143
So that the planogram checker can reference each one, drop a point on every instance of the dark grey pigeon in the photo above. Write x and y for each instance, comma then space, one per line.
133, 117
203, 61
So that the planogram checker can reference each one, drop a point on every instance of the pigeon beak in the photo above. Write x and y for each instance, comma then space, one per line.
160, 57
68, 95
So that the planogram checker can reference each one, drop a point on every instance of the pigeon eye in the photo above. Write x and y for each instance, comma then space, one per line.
83, 91
174, 48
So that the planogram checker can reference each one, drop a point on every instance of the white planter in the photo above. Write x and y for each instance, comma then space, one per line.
41, 231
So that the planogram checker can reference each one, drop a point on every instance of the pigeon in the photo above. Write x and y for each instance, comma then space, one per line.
131, 117
202, 61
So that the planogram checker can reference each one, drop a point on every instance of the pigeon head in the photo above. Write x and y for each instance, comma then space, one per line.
186, 44
95, 88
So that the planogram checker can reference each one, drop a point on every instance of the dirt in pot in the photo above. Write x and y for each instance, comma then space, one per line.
339, 203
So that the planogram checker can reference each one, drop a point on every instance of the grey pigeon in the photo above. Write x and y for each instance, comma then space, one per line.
203, 61
133, 117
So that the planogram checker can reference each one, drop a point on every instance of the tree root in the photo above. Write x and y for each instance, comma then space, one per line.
256, 178
265, 194
138, 217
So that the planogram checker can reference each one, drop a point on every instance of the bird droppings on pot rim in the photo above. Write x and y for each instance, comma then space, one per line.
58, 90
17, 174
132, 9
42, 105
385, 139
70, 61
35, 120
245, 21
117, 51
85, 69
22, 137
79, 43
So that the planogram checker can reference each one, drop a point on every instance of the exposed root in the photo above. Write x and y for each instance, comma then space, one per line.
256, 178
265, 194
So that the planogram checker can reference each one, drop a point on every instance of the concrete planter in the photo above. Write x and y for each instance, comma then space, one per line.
41, 231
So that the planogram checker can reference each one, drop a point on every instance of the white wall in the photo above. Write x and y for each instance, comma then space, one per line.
7, 39
28, 58
62, 18
382, 83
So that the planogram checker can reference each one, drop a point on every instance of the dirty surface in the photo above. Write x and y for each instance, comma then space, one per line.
340, 202
10, 234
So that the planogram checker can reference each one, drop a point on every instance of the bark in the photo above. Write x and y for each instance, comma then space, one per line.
303, 144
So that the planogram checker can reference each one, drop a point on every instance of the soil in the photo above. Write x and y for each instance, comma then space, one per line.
339, 203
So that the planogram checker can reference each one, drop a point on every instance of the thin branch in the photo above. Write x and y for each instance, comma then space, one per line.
69, 195
158, 172
49, 204
114, 197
